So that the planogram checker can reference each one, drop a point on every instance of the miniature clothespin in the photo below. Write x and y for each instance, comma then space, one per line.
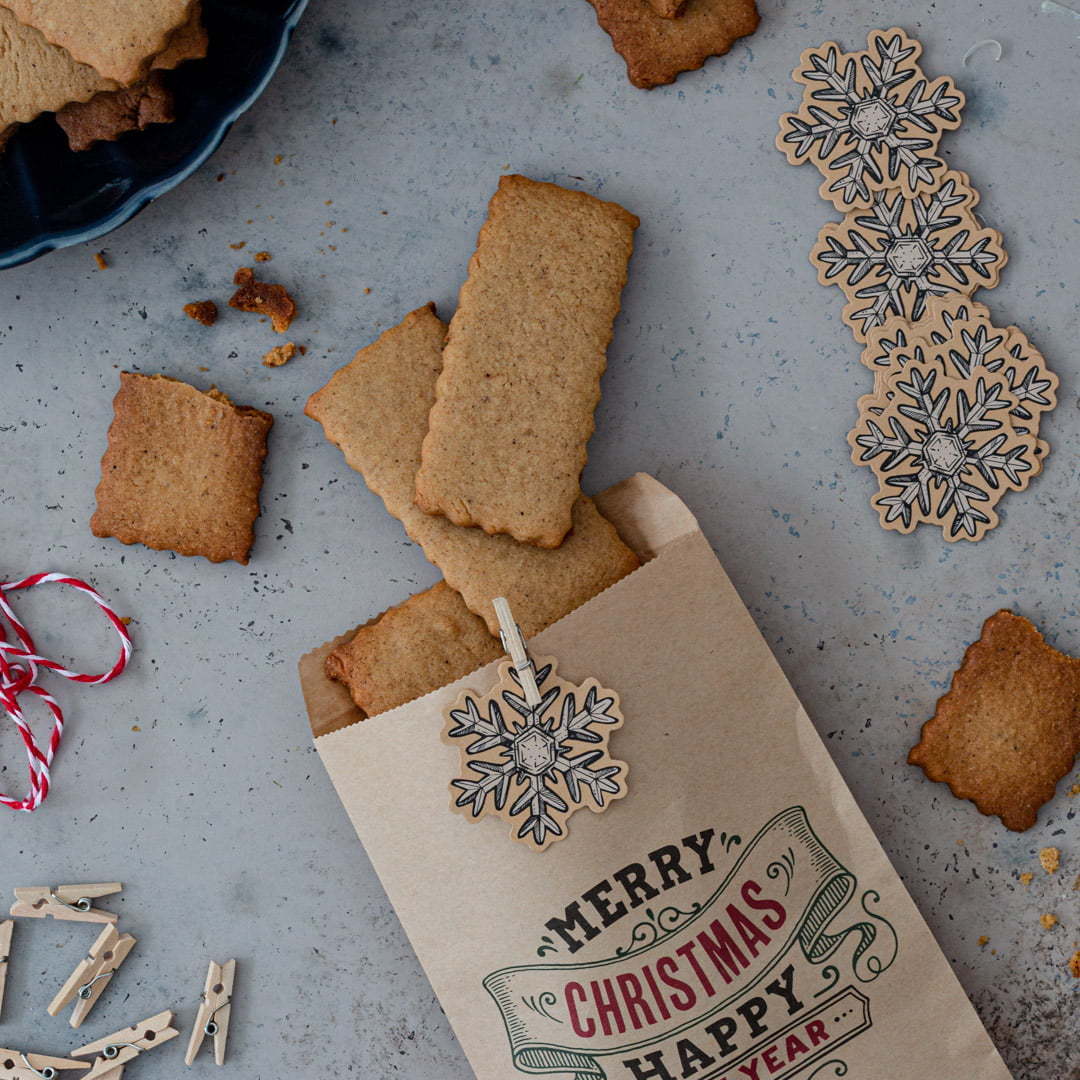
116, 1050
16, 1065
69, 902
533, 749
5, 954
88, 981
214, 1011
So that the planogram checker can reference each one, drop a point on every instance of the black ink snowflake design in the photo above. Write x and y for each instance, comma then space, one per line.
957, 444
870, 120
533, 757
906, 250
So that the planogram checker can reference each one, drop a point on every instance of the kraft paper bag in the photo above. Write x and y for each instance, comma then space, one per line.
733, 917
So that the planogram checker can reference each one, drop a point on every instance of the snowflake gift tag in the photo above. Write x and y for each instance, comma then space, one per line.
534, 748
944, 449
869, 120
891, 258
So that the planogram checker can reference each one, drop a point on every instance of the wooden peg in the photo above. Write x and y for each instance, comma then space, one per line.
214, 1012
113, 1052
68, 902
88, 981
514, 644
18, 1065
5, 954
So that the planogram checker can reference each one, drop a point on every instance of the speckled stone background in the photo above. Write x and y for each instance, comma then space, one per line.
731, 379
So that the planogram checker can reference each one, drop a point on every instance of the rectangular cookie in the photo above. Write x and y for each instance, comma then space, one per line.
182, 471
115, 37
428, 641
657, 50
522, 363
375, 410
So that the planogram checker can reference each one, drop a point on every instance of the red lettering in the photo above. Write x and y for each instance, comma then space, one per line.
630, 988
576, 990
665, 967
661, 1004
816, 1032
748, 931
722, 951
607, 1007
750, 891
772, 1062
749, 1070
793, 1046
687, 953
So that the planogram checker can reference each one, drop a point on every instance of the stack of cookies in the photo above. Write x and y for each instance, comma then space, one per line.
474, 437
97, 64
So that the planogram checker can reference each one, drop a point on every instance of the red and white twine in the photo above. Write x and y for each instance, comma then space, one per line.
19, 666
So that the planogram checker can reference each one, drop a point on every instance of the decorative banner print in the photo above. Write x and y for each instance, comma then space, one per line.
742, 978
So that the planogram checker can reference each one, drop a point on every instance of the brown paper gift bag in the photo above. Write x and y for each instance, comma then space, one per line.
733, 917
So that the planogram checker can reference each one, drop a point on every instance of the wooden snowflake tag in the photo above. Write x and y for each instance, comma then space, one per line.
534, 748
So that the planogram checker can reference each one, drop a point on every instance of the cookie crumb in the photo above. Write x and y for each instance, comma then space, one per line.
99, 258
279, 158
240, 246
1048, 921
1050, 859
303, 352
1027, 878
1074, 790
201, 368
202, 311
263, 256
367, 292
263, 298
1074, 965
279, 354
983, 941
135, 727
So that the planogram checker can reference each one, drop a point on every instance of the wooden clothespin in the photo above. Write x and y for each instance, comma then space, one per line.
514, 644
214, 1012
5, 954
69, 902
88, 981
16, 1065
114, 1051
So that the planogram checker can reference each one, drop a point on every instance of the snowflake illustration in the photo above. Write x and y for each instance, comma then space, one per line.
533, 755
944, 451
959, 334
891, 258
869, 120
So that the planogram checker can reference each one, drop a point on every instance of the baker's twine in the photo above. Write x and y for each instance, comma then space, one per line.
19, 667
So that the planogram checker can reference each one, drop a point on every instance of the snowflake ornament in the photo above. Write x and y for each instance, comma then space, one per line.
893, 257
944, 449
871, 120
535, 766
958, 333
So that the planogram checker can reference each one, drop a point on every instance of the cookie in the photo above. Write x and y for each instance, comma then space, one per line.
118, 38
522, 363
182, 470
202, 311
36, 76
1008, 730
657, 50
112, 113
188, 42
375, 410
430, 640
263, 298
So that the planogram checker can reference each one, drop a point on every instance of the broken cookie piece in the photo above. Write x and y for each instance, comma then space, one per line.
1008, 730
202, 311
182, 471
112, 113
263, 298
279, 354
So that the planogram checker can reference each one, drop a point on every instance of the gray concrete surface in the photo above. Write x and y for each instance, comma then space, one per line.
731, 379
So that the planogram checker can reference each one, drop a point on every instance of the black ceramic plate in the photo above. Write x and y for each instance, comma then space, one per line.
51, 197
